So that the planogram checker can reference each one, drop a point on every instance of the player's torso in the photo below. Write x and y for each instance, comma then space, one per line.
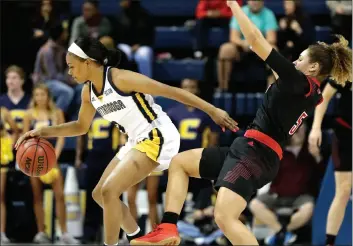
102, 136
134, 113
191, 125
16, 110
282, 112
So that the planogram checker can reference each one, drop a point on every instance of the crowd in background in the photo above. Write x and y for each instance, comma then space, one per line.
41, 93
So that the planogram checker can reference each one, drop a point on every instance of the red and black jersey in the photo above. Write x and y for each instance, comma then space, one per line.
344, 108
287, 102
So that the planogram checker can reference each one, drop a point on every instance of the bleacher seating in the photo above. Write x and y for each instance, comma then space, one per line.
176, 70
187, 7
181, 37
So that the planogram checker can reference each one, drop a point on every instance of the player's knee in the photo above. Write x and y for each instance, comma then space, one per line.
221, 217
96, 194
307, 208
343, 191
256, 205
108, 191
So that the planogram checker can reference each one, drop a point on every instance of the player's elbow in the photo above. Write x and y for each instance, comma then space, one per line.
81, 127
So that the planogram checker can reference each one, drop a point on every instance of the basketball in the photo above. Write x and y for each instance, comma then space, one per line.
35, 157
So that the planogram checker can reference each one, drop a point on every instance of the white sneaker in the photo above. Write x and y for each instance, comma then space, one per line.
41, 238
68, 239
4, 239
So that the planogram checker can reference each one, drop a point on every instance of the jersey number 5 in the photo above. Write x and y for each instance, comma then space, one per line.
298, 124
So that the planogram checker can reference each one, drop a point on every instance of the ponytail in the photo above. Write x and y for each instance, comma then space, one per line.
335, 60
88, 48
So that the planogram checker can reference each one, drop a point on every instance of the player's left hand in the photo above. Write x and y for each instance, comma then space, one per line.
222, 119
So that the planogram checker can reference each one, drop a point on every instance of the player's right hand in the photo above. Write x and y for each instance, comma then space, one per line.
315, 138
30, 134
222, 119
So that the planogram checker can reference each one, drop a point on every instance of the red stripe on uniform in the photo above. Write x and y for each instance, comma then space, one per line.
343, 123
266, 140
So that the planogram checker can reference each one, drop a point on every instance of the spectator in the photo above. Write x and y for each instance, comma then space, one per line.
15, 100
292, 187
100, 146
6, 157
136, 35
91, 23
209, 13
108, 42
50, 67
264, 19
196, 128
43, 112
44, 21
296, 30
341, 12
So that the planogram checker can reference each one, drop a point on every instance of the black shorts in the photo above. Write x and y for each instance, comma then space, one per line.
342, 149
243, 168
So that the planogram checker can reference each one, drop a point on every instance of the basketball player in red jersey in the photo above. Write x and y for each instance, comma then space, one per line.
253, 160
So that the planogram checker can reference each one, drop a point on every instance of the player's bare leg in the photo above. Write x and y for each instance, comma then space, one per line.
338, 206
128, 224
183, 166
131, 170
229, 206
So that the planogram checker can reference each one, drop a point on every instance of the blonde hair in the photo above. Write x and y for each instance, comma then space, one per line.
51, 107
335, 60
16, 69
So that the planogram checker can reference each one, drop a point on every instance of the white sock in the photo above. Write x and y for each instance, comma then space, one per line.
113, 244
134, 233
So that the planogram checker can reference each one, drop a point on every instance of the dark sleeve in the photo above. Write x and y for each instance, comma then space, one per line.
290, 78
334, 84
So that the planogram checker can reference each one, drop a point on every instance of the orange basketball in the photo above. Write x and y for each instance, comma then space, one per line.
35, 157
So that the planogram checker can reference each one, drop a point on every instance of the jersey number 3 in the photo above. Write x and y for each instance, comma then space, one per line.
298, 124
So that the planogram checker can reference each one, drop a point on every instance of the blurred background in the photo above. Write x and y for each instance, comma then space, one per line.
193, 44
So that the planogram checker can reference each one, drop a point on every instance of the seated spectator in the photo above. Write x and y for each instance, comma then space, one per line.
195, 127
136, 35
6, 157
108, 42
43, 21
341, 20
209, 13
91, 23
50, 67
293, 187
43, 112
296, 30
232, 51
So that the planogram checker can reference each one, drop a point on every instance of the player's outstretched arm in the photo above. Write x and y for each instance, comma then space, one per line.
315, 136
70, 129
128, 81
252, 34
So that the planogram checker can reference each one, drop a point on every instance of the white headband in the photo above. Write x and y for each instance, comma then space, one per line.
76, 50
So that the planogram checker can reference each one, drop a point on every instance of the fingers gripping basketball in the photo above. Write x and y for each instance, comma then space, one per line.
36, 157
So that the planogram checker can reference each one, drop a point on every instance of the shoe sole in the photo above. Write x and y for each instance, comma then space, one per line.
168, 241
